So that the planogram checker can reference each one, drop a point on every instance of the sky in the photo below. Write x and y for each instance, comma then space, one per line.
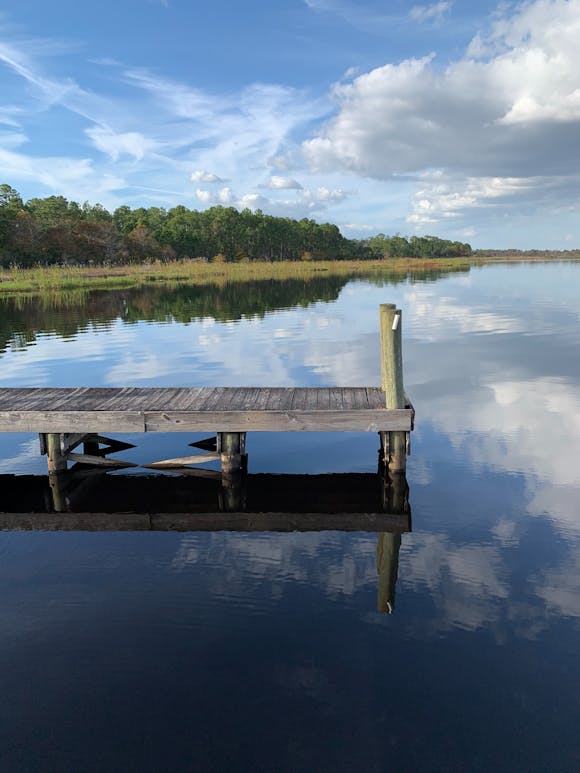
454, 118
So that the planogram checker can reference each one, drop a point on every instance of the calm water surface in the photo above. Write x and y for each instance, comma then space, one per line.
265, 652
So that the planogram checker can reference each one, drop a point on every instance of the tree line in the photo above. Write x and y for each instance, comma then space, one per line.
54, 230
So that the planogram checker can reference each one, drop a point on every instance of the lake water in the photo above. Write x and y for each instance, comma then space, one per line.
235, 651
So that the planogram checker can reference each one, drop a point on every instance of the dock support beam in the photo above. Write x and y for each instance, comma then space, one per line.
395, 445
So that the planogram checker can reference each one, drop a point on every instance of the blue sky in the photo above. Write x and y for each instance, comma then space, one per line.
460, 119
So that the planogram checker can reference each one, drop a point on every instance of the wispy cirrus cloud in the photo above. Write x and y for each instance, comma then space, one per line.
365, 16
185, 127
76, 176
116, 144
432, 12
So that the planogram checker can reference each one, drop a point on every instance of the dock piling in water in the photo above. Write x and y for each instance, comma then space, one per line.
57, 460
394, 444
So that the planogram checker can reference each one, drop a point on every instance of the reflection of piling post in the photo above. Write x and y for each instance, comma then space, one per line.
388, 546
232, 494
58, 487
394, 447
56, 459
395, 497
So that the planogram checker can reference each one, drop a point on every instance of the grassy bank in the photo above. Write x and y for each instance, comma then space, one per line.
53, 278
39, 279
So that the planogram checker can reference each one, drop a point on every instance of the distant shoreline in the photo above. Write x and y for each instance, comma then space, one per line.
54, 278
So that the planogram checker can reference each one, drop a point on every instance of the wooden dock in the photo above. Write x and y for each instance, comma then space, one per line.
200, 409
65, 418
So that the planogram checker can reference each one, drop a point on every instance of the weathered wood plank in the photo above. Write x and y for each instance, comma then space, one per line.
61, 401
293, 420
323, 398
247, 398
189, 399
87, 400
207, 397
99, 461
146, 399
335, 399
185, 398
116, 401
184, 460
263, 399
71, 421
348, 399
299, 399
279, 398
19, 398
15, 398
224, 399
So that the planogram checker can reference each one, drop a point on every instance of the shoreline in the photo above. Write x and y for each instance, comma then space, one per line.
53, 278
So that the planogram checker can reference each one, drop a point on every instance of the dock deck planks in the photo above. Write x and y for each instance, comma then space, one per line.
223, 409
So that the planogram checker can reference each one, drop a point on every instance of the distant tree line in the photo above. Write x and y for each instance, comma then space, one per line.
382, 246
540, 254
55, 230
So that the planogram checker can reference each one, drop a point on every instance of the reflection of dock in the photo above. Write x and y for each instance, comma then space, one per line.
186, 522
96, 501
102, 502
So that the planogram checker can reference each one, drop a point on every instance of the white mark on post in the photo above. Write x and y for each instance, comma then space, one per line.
396, 320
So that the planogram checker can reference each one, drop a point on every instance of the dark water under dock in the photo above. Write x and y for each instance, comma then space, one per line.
264, 650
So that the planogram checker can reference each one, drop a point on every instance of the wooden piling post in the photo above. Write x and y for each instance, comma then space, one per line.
57, 461
391, 324
232, 447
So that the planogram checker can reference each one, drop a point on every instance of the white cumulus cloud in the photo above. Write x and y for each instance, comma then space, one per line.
508, 108
200, 176
203, 196
276, 182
